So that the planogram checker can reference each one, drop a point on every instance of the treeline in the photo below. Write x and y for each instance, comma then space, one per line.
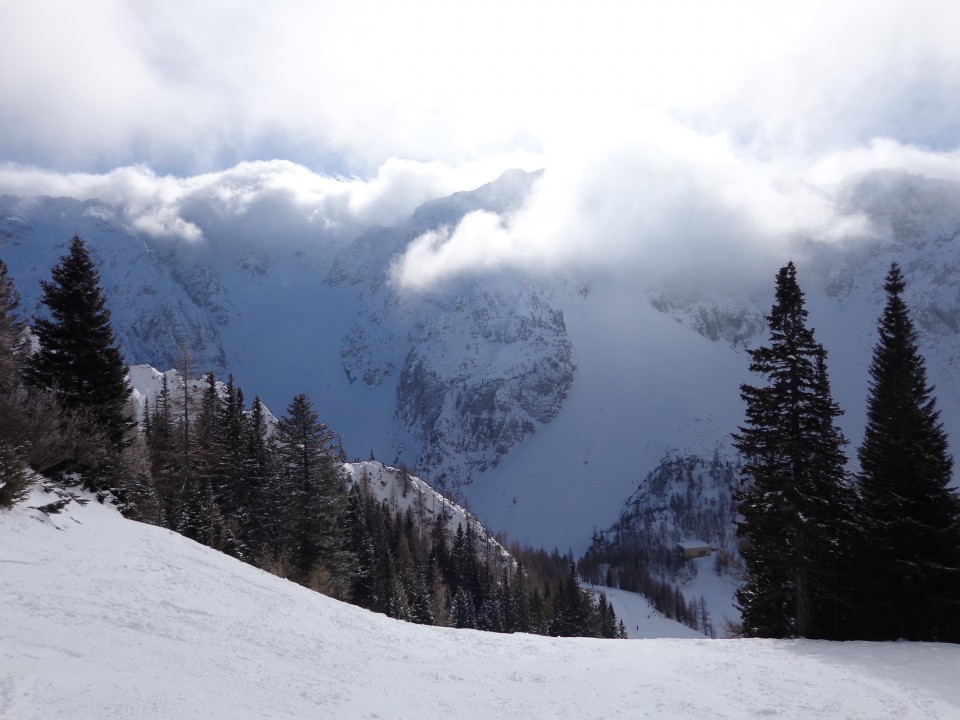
283, 502
202, 464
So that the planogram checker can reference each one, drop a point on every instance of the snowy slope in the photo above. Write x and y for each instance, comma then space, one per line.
106, 618
640, 619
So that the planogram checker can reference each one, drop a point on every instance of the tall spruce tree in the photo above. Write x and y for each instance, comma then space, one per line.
14, 479
796, 497
78, 358
12, 338
257, 476
162, 439
233, 494
911, 517
312, 489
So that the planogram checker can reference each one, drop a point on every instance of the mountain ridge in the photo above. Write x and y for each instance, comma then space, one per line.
554, 394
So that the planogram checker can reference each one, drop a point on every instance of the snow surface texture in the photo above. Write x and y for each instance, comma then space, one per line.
106, 619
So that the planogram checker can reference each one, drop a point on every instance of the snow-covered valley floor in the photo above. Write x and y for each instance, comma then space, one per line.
105, 618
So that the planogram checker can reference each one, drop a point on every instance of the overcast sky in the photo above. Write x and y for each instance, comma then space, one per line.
664, 127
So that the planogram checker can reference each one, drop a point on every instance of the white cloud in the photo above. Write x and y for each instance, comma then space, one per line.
665, 201
481, 242
280, 193
670, 131
882, 154
347, 84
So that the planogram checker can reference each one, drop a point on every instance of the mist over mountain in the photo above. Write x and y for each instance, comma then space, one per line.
544, 394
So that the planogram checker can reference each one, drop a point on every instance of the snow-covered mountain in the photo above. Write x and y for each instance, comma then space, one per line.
158, 306
105, 618
547, 398
685, 498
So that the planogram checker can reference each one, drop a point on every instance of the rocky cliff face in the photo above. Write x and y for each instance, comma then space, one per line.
477, 367
726, 320
480, 376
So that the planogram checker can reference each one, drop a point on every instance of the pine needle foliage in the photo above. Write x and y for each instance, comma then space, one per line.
910, 579
78, 358
795, 499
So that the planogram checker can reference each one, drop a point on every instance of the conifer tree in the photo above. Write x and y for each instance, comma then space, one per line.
197, 514
14, 479
78, 357
911, 517
415, 572
231, 492
796, 491
12, 339
521, 599
258, 477
313, 488
359, 541
205, 455
162, 439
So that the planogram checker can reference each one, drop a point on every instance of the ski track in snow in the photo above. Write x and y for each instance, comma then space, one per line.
106, 618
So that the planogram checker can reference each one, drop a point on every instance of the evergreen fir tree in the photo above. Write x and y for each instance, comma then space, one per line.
359, 541
911, 518
313, 488
796, 494
462, 609
12, 337
415, 572
78, 356
439, 549
258, 477
198, 515
521, 599
14, 478
161, 439
231, 492
539, 624
621, 630
205, 453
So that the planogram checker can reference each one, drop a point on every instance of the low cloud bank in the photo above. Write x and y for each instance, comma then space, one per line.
676, 204
680, 205
260, 198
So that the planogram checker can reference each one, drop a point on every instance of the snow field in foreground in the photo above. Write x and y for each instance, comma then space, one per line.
107, 618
